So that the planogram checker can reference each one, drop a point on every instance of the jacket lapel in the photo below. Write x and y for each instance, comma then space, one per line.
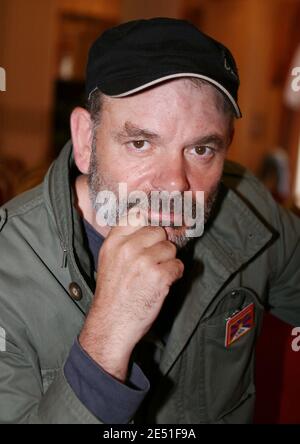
235, 235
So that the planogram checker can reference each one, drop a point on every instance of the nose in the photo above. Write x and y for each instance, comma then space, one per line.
172, 175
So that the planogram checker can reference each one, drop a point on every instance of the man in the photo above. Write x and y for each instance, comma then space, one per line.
140, 323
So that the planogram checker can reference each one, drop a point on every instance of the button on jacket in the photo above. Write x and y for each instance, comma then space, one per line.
249, 254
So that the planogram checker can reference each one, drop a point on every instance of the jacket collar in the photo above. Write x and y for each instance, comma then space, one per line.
60, 199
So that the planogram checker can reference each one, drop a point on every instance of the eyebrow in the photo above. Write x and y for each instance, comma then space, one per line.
214, 139
130, 130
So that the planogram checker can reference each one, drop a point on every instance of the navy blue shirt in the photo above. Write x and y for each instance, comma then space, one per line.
107, 398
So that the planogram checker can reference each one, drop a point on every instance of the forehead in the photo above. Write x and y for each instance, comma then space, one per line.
177, 103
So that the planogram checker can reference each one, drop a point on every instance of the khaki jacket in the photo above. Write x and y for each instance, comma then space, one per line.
248, 254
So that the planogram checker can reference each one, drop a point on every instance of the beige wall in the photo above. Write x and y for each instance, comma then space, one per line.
104, 9
27, 37
247, 27
135, 9
28, 51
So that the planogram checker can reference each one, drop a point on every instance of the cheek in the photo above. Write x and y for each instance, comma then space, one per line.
136, 174
206, 179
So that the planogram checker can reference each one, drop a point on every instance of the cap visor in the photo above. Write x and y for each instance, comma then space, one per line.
184, 74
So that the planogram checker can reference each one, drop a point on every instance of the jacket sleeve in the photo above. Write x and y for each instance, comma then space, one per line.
28, 396
284, 292
22, 399
107, 398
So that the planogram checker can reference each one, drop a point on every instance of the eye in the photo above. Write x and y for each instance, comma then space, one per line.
204, 151
138, 145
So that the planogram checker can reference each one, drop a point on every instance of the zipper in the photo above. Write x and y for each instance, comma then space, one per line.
64, 256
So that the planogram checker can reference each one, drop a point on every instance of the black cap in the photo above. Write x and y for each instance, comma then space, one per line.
135, 55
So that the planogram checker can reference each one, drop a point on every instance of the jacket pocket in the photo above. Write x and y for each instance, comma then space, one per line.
242, 412
229, 370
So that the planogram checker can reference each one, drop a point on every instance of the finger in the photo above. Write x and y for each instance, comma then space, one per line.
147, 236
173, 270
162, 251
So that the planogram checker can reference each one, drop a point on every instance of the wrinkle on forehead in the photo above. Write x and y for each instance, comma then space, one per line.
175, 107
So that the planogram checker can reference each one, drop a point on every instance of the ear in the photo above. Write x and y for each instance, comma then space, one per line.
81, 130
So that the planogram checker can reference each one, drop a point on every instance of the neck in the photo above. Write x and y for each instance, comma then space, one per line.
84, 205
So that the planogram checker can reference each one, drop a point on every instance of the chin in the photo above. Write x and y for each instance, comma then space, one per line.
171, 231
177, 236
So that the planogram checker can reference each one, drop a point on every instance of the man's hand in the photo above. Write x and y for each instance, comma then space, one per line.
137, 266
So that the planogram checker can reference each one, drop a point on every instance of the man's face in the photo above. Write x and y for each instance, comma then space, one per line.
172, 137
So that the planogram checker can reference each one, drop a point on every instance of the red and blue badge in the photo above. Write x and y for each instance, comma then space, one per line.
239, 324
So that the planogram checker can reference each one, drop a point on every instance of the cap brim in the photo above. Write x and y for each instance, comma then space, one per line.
183, 74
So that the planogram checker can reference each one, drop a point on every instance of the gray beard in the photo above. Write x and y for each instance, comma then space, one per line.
97, 182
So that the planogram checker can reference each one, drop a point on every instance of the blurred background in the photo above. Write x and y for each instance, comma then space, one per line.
43, 49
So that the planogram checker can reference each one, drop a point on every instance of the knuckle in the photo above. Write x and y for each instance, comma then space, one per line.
145, 229
156, 274
112, 235
180, 266
172, 247
111, 242
127, 249
164, 278
106, 248
162, 232
175, 270
145, 261
157, 231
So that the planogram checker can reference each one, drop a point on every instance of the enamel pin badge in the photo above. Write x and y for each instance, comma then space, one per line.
239, 324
